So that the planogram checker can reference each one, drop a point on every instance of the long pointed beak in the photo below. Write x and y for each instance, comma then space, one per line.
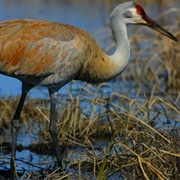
154, 25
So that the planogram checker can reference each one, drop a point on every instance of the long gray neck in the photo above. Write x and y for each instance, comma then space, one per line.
122, 53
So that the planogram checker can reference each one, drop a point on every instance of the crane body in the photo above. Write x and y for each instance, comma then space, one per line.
53, 54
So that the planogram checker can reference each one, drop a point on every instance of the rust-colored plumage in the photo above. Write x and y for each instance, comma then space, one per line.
28, 49
52, 54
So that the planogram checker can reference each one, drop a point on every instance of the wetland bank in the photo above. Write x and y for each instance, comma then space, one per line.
127, 128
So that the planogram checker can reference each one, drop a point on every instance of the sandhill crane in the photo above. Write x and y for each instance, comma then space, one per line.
53, 54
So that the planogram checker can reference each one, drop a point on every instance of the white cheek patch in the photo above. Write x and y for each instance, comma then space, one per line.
137, 18
133, 11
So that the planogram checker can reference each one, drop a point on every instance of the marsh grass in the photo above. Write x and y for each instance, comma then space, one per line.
139, 118
143, 140
142, 134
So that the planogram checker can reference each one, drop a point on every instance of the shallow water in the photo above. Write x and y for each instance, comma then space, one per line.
90, 15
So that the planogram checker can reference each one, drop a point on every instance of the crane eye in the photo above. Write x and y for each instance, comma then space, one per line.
127, 14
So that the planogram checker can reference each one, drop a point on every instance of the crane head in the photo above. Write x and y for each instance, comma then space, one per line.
132, 13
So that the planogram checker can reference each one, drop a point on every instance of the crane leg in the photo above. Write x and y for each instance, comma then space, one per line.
15, 125
53, 127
